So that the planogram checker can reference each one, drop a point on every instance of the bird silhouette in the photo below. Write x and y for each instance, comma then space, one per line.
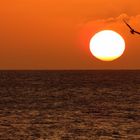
131, 29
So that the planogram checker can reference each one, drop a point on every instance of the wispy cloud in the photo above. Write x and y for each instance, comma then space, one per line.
119, 18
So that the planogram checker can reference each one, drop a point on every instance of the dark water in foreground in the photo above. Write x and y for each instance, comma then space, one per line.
69, 105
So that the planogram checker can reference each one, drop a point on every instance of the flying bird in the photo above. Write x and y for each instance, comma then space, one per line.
131, 29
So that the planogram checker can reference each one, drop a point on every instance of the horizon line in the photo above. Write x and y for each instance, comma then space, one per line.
64, 69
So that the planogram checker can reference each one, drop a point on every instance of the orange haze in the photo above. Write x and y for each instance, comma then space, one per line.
43, 34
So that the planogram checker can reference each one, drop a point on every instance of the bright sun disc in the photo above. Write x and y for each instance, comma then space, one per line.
107, 45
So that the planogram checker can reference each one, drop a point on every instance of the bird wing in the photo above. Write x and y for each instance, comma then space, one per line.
128, 25
137, 32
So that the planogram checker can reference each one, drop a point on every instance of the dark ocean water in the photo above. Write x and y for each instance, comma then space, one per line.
69, 105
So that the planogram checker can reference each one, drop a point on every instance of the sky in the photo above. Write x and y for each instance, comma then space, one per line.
42, 34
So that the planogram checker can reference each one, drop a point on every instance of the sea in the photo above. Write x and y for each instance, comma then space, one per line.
70, 105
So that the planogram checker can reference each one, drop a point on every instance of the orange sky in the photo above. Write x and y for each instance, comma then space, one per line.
42, 34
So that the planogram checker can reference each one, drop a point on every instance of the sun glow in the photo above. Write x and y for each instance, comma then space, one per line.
107, 45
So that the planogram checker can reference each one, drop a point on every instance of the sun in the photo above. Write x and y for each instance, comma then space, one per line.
107, 45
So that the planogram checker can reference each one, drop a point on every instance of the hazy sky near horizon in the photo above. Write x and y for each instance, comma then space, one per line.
42, 34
